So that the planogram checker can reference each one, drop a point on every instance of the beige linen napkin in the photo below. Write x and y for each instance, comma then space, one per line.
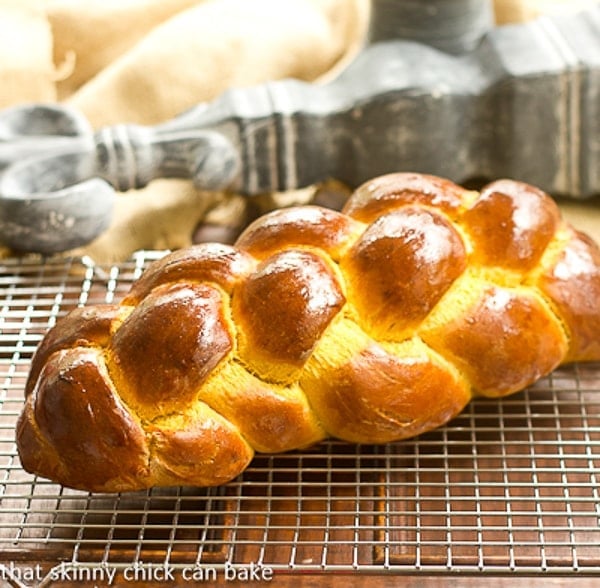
198, 53
89, 35
27, 72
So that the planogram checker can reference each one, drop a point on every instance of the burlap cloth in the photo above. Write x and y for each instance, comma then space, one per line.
145, 61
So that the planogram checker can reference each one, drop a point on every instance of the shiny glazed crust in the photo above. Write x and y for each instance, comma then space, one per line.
371, 325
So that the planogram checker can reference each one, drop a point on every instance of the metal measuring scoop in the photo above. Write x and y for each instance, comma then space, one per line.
437, 89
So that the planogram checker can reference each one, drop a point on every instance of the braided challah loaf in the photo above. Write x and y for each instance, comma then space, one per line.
371, 325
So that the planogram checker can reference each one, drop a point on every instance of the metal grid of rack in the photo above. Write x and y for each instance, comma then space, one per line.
508, 487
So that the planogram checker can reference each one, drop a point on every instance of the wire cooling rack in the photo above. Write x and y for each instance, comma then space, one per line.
508, 487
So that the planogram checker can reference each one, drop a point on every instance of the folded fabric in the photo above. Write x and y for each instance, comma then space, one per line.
200, 52
88, 36
27, 72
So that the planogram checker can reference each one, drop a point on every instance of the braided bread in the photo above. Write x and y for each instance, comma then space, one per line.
370, 325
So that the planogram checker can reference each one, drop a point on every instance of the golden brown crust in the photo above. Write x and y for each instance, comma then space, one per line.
82, 327
511, 224
401, 267
377, 397
168, 346
504, 342
389, 192
573, 284
371, 325
282, 310
309, 226
271, 418
200, 449
209, 262
74, 406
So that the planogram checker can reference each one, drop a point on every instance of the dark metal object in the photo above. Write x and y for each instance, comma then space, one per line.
437, 89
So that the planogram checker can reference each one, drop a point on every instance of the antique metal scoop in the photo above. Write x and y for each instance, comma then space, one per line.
436, 89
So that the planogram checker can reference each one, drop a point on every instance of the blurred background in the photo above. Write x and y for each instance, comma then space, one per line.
146, 61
